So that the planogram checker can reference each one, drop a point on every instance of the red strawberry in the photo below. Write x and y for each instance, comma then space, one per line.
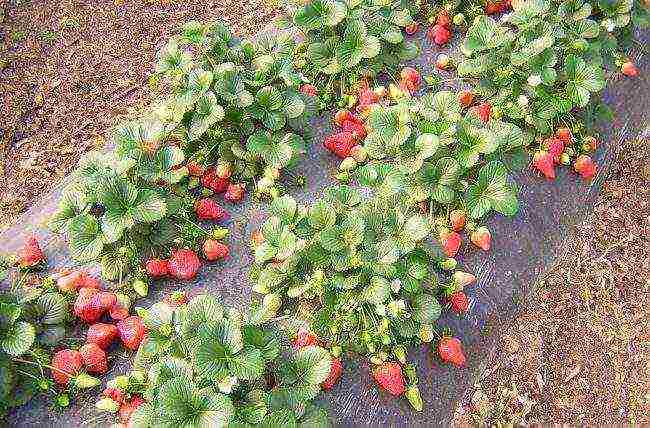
195, 169
412, 28
304, 338
30, 255
451, 351
389, 376
65, 363
367, 98
457, 218
439, 34
235, 192
482, 238
343, 115
131, 332
357, 130
443, 18
459, 302
208, 209
483, 111
213, 182
466, 98
629, 69
585, 166
543, 162
336, 370
176, 299
411, 78
564, 134
114, 394
128, 407
492, 7
157, 268
257, 238
120, 309
94, 358
450, 242
555, 147
86, 306
184, 264
215, 250
340, 144
308, 89
101, 334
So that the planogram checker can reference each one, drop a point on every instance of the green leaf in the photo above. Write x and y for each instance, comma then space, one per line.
248, 364
582, 80
182, 404
52, 308
426, 309
207, 112
18, 339
416, 227
320, 13
86, 238
321, 215
491, 191
312, 365
485, 34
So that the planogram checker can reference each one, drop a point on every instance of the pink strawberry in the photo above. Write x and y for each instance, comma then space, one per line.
304, 338
340, 144
94, 358
482, 238
555, 147
69, 280
65, 363
585, 166
184, 264
450, 242
336, 370
308, 89
451, 351
457, 218
412, 28
439, 34
411, 78
543, 162
629, 69
114, 394
459, 302
389, 376
215, 250
208, 209
101, 334
131, 331
235, 192
463, 279
127, 408
30, 255
213, 182
157, 268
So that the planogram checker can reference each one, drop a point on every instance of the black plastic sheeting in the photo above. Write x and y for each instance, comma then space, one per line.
522, 247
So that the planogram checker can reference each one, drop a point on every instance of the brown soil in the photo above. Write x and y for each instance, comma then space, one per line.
579, 353
70, 69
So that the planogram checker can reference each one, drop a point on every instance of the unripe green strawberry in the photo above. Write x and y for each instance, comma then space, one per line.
85, 381
426, 333
348, 164
272, 303
414, 397
459, 19
140, 287
400, 353
448, 264
107, 405
359, 153
120, 382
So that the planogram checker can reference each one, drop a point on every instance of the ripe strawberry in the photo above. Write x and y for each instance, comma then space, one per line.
101, 334
492, 7
120, 309
308, 89
30, 255
336, 370
585, 166
65, 363
459, 302
565, 135
482, 238
450, 350
94, 358
131, 331
483, 111
629, 69
411, 78
340, 144
450, 242
389, 376
357, 130
184, 264
215, 250
208, 209
195, 169
367, 98
127, 408
466, 98
343, 115
443, 18
87, 307
457, 218
555, 147
439, 34
235, 192
412, 28
213, 182
176, 299
69, 281
304, 338
543, 162
463, 279
157, 268
114, 394
85, 280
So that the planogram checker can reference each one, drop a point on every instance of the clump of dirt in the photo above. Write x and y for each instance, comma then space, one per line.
579, 353
69, 70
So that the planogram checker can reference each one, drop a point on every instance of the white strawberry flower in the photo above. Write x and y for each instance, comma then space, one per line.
534, 80
522, 100
226, 384
396, 285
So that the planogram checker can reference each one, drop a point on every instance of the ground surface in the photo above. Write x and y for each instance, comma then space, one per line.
506, 274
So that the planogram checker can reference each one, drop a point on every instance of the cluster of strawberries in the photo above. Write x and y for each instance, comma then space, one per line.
494, 7
218, 179
440, 32
346, 142
561, 149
